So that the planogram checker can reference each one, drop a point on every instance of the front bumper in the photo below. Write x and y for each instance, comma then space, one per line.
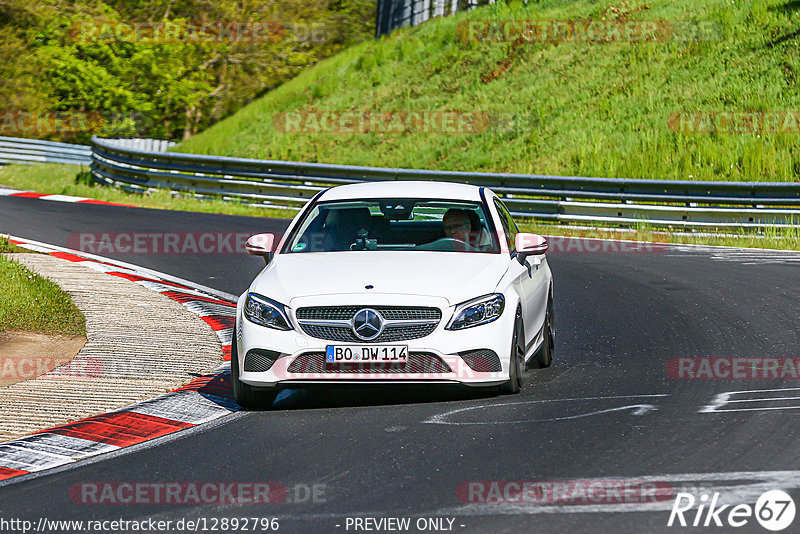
443, 356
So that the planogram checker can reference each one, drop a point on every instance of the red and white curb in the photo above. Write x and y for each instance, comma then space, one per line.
4, 192
205, 399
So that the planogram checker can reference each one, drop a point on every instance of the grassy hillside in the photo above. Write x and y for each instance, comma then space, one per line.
570, 108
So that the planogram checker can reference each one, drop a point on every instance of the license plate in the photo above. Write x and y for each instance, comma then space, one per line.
366, 353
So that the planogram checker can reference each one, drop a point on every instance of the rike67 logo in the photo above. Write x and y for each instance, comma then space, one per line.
774, 510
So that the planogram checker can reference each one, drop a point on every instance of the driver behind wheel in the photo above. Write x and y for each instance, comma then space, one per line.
458, 225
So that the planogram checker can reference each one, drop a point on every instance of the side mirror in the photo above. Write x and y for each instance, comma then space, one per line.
261, 245
529, 245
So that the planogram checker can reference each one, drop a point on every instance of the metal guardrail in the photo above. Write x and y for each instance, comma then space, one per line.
147, 145
615, 201
19, 150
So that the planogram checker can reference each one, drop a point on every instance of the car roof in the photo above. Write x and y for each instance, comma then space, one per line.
403, 189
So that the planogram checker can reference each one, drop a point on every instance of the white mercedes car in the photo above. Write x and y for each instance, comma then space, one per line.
388, 282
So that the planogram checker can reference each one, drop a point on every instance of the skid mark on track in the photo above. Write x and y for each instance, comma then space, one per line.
444, 418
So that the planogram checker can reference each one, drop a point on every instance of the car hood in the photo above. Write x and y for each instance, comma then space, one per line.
455, 276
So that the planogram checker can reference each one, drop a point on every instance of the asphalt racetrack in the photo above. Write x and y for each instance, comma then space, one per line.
611, 410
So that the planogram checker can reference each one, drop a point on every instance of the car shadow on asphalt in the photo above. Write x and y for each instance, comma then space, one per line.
369, 395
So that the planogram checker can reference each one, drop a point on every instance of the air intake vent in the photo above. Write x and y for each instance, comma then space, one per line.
482, 360
260, 360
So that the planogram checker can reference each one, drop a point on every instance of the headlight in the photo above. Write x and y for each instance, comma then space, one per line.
266, 312
477, 311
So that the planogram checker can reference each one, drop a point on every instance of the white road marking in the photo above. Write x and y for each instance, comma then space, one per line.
744, 256
725, 398
16, 456
103, 268
206, 309
63, 198
64, 445
141, 271
768, 399
225, 336
163, 288
638, 409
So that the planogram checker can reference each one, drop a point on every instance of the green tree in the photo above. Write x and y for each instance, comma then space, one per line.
151, 88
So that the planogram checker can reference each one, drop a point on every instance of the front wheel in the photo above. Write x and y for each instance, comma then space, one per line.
517, 363
246, 395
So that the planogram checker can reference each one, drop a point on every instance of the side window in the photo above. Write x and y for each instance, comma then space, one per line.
509, 226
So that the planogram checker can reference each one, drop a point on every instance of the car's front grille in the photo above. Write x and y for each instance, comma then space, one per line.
390, 333
482, 360
417, 363
390, 313
260, 360
400, 322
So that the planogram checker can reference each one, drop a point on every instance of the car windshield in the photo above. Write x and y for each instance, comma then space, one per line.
394, 224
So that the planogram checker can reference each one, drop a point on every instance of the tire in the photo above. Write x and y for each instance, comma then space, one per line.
246, 395
544, 356
517, 364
